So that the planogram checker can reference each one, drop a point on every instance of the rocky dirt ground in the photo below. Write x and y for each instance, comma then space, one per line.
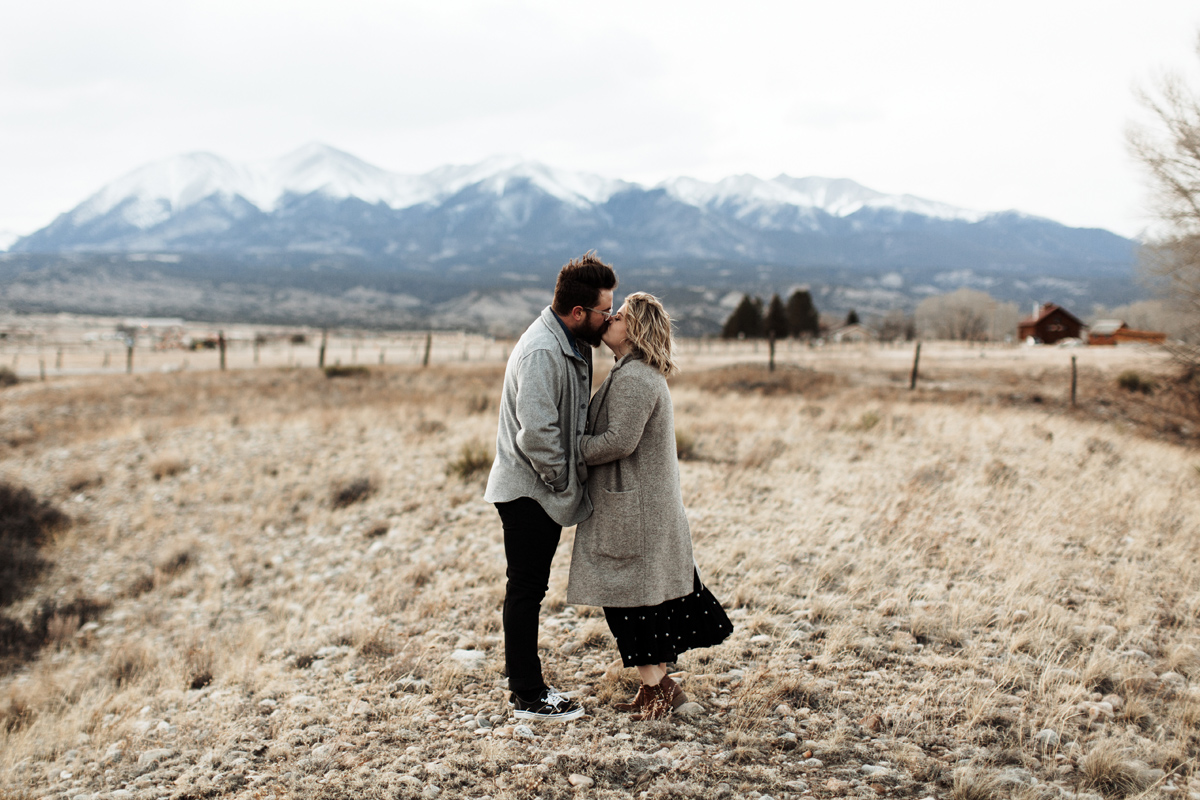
276, 584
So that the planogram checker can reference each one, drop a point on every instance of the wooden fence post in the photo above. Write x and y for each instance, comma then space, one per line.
912, 382
1074, 381
221, 347
321, 352
428, 347
771, 358
129, 356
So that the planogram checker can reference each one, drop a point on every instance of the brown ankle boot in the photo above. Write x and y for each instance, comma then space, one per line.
658, 703
674, 692
639, 700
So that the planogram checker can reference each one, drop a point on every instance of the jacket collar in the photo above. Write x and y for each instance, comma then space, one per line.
623, 360
550, 320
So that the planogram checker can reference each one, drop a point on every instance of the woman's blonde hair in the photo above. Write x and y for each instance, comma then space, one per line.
648, 330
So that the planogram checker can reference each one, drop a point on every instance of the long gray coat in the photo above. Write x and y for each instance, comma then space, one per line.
542, 413
636, 548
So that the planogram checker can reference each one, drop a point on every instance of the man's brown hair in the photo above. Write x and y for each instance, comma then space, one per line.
580, 282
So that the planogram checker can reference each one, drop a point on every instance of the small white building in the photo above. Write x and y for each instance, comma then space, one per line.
856, 332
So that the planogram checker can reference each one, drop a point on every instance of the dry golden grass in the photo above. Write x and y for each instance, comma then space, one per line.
935, 593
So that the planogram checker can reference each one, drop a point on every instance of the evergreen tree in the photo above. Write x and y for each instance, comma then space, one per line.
852, 317
746, 321
776, 322
802, 316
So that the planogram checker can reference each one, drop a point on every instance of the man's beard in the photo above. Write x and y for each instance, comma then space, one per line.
591, 335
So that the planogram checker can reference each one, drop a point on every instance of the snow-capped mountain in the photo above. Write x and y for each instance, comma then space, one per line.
155, 192
506, 211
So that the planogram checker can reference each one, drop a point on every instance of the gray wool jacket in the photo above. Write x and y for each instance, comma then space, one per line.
636, 548
543, 409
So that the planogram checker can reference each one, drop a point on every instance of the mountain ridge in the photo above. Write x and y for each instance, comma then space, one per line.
322, 221
157, 192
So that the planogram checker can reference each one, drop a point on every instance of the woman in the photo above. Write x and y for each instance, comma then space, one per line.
633, 555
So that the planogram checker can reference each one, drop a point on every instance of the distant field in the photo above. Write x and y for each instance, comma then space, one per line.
278, 584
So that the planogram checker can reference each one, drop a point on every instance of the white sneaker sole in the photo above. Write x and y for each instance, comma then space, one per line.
563, 717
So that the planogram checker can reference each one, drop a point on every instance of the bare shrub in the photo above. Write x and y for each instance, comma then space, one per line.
8, 378
685, 445
1109, 770
26, 525
351, 371
1131, 381
348, 492
166, 465
474, 458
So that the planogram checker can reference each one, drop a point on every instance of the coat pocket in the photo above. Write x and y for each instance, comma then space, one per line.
618, 524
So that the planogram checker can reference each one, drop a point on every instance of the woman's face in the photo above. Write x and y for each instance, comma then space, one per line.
614, 334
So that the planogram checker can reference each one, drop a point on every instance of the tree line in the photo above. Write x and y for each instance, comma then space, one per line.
963, 315
798, 318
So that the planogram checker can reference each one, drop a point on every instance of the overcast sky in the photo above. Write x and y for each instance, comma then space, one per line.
987, 105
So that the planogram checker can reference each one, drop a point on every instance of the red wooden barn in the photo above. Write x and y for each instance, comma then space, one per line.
1051, 324
1115, 331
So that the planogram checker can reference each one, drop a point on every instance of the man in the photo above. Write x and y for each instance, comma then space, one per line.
538, 478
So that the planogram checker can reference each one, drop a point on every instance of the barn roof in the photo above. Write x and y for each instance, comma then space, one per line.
1107, 327
1046, 310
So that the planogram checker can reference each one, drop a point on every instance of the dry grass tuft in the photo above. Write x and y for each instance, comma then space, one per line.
474, 458
865, 422
376, 642
685, 445
975, 784
174, 561
1109, 770
167, 465
83, 478
348, 492
199, 663
1185, 659
130, 665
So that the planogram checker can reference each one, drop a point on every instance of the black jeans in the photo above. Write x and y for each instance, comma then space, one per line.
530, 539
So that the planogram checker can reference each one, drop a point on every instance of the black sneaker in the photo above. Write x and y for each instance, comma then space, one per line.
549, 706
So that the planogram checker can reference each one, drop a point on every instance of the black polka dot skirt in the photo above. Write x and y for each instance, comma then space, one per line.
656, 634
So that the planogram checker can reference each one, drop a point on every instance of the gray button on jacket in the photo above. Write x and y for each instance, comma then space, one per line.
543, 410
